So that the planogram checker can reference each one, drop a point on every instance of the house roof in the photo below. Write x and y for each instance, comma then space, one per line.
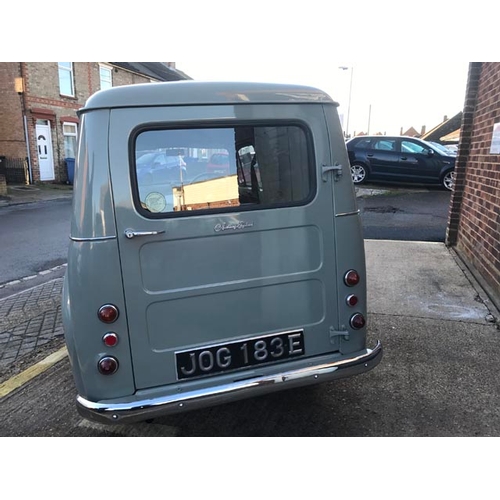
157, 70
441, 133
411, 132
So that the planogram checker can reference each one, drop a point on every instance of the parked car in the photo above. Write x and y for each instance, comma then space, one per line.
158, 167
218, 164
399, 158
446, 149
452, 147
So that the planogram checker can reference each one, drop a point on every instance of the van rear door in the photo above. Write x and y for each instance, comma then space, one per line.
231, 272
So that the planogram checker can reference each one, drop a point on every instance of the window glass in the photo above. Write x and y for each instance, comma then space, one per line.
105, 76
70, 139
413, 147
220, 168
66, 86
384, 145
362, 144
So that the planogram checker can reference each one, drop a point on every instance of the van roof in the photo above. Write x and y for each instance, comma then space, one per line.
198, 92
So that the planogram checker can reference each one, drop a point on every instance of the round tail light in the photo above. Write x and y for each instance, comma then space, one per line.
108, 313
357, 321
351, 300
351, 278
107, 365
110, 339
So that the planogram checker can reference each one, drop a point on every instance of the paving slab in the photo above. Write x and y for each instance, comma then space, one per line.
420, 279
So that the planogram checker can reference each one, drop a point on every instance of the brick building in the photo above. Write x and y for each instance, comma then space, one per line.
474, 218
38, 104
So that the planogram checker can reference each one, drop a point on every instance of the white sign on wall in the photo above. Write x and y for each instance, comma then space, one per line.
495, 140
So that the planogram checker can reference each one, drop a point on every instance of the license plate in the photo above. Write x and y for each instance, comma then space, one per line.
231, 356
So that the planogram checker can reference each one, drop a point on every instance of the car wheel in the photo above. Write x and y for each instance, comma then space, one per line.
358, 173
448, 180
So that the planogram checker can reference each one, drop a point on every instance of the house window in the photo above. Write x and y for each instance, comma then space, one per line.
70, 139
106, 77
66, 82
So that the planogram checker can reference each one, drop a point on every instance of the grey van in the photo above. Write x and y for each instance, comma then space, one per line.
189, 287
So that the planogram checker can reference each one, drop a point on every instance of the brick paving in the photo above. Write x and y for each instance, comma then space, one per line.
28, 320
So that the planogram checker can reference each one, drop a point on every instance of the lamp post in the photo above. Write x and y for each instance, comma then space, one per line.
344, 68
369, 118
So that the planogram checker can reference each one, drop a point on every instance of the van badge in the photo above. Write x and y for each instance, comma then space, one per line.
232, 226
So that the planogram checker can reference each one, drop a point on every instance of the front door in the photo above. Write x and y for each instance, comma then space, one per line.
239, 261
416, 163
44, 151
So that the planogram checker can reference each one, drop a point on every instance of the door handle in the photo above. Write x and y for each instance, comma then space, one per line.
404, 158
369, 155
129, 233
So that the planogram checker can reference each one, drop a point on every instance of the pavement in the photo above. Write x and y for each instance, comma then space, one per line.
408, 282
20, 193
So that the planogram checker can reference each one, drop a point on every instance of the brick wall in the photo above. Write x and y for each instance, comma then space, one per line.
42, 100
42, 92
122, 77
12, 143
474, 222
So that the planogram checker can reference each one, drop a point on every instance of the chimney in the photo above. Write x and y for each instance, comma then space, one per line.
401, 131
170, 64
422, 132
445, 118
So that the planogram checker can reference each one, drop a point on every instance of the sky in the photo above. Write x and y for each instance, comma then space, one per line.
409, 65
384, 97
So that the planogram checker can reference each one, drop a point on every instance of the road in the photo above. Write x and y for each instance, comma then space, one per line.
406, 214
34, 238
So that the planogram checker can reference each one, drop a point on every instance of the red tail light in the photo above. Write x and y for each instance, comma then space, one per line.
351, 300
351, 278
107, 365
357, 321
108, 313
110, 339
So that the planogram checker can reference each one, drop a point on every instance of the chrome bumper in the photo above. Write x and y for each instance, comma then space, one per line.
136, 411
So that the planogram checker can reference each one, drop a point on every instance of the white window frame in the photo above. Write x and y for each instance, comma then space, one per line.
69, 70
101, 80
70, 134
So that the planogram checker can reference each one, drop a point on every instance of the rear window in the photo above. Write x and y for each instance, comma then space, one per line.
362, 144
181, 171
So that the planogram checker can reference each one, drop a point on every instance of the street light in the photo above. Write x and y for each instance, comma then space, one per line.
343, 68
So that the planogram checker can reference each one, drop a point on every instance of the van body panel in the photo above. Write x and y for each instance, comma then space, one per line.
93, 214
92, 279
204, 93
264, 278
349, 228
256, 250
236, 294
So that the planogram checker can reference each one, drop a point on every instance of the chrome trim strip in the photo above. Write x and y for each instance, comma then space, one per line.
135, 411
344, 214
97, 238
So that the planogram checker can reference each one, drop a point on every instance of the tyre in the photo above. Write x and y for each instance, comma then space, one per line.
448, 180
358, 173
